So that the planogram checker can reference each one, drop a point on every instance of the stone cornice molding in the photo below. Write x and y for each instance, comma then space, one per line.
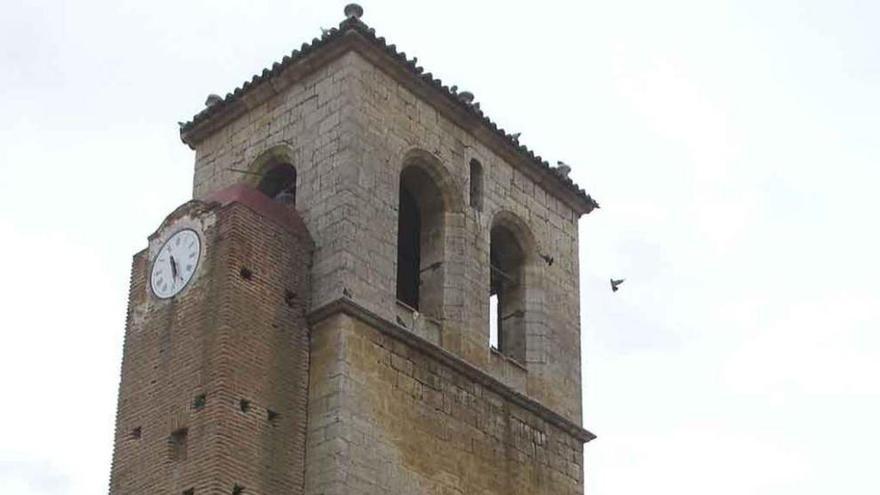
348, 307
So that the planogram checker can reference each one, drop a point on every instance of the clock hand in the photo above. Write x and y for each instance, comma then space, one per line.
173, 269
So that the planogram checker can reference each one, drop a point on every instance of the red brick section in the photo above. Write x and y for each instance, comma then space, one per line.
282, 215
214, 381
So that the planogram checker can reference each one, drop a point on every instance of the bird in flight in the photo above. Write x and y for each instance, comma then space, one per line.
615, 284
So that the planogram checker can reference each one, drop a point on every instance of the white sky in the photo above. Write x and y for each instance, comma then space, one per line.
732, 145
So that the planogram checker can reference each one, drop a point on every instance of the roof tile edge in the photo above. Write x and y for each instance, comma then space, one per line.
233, 104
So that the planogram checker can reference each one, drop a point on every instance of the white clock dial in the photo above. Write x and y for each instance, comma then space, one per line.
175, 264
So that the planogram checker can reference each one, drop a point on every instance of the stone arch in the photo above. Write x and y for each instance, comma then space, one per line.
266, 158
421, 230
512, 283
517, 226
450, 190
274, 173
428, 201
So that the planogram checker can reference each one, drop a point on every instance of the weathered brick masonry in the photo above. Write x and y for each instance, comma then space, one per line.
289, 364
206, 369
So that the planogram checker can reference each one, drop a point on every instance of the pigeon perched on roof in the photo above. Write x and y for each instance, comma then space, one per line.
212, 100
562, 168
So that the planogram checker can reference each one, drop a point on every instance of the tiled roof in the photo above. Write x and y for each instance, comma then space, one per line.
451, 93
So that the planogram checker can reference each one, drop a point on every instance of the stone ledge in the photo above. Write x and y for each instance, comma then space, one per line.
351, 308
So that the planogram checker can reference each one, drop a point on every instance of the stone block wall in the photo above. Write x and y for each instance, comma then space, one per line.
349, 128
393, 126
309, 124
386, 417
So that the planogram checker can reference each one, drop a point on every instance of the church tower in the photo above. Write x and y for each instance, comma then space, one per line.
374, 290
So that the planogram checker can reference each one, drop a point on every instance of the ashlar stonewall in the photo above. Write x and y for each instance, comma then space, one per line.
374, 290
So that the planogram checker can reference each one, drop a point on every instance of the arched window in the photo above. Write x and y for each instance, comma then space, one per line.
507, 293
476, 185
279, 183
420, 242
409, 229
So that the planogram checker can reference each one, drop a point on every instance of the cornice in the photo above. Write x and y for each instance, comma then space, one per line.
353, 34
348, 307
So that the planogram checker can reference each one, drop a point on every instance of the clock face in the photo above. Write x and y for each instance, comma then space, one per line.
175, 264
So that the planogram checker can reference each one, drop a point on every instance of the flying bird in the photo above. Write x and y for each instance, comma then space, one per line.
615, 284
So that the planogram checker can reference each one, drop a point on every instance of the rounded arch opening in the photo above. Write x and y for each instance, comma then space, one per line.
279, 182
420, 240
509, 248
276, 176
448, 188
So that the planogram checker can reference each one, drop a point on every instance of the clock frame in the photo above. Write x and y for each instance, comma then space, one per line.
176, 263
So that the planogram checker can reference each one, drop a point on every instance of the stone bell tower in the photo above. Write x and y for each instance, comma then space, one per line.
374, 290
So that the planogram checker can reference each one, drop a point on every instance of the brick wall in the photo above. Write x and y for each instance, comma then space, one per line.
202, 371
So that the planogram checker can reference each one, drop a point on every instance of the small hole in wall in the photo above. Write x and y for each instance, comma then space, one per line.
189, 491
199, 402
272, 416
237, 489
289, 297
136, 433
244, 405
246, 273
177, 442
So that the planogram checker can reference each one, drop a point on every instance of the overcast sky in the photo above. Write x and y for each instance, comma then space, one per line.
733, 147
